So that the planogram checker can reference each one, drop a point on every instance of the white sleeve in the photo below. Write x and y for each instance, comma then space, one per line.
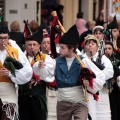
14, 44
78, 52
46, 73
108, 70
25, 74
99, 81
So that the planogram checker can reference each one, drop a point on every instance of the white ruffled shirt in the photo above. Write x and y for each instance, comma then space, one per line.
48, 73
100, 110
7, 90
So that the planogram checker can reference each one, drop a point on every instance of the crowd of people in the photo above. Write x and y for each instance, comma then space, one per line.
51, 75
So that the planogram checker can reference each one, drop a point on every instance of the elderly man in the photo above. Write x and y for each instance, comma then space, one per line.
32, 96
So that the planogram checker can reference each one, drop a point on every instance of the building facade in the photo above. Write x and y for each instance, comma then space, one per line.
31, 9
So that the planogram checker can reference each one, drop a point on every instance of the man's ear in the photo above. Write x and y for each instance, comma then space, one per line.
72, 49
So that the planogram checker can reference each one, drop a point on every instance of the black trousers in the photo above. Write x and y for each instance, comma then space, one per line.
30, 108
114, 97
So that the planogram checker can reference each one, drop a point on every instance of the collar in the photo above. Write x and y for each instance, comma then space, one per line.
94, 56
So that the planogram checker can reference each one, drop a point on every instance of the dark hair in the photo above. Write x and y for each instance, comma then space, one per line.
60, 7
101, 14
72, 46
80, 15
109, 43
98, 29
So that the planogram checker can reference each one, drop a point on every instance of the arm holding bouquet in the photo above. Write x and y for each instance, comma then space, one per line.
17, 71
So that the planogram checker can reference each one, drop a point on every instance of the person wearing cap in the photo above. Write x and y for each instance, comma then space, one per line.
32, 95
114, 31
14, 69
16, 35
66, 70
114, 94
99, 110
97, 31
115, 38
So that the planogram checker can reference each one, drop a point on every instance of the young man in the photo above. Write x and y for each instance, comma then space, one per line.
114, 31
9, 76
32, 96
115, 38
115, 34
66, 70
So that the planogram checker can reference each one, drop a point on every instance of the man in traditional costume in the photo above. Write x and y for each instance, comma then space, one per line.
114, 35
14, 69
67, 71
32, 96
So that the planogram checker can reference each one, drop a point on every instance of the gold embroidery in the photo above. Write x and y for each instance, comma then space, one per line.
11, 50
38, 57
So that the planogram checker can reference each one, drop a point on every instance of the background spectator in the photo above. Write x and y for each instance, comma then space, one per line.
100, 20
80, 23
60, 9
34, 26
16, 35
90, 25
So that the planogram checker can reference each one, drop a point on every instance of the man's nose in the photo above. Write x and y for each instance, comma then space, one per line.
90, 45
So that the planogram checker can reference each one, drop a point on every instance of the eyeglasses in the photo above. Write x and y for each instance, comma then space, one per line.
32, 45
4, 38
108, 48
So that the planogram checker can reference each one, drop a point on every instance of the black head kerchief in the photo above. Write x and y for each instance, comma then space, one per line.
3, 27
37, 36
113, 24
71, 37
109, 43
